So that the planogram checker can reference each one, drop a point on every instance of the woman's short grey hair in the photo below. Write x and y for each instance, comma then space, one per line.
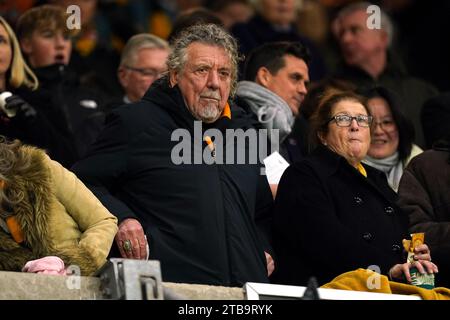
386, 23
138, 42
209, 34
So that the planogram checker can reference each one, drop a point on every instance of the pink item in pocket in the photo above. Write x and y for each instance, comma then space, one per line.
46, 265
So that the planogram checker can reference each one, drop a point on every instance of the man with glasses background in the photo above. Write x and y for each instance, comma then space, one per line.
143, 61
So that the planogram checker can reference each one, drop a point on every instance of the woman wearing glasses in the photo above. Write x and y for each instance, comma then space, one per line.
334, 214
391, 146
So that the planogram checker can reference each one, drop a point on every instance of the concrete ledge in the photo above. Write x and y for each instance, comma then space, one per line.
204, 292
30, 286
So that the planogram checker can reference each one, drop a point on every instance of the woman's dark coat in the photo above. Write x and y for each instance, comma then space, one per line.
330, 219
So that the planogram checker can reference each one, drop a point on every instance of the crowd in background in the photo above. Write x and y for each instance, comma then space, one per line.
92, 97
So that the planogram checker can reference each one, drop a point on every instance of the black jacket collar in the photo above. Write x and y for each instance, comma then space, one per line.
329, 163
56, 73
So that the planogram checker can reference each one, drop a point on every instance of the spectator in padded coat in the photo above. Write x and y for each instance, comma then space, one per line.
46, 211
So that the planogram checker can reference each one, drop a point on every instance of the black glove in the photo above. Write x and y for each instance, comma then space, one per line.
23, 109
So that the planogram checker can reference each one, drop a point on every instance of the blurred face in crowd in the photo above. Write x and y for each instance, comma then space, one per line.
5, 54
279, 12
205, 80
353, 141
149, 64
235, 12
47, 46
289, 83
358, 43
385, 138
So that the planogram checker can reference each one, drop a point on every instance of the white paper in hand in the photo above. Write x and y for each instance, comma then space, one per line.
275, 166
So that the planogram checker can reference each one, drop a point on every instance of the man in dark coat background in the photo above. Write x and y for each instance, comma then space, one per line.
199, 219
369, 60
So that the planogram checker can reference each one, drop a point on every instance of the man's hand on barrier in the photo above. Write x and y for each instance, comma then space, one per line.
131, 239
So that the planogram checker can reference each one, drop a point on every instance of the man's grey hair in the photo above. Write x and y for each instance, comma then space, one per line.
386, 22
209, 34
138, 42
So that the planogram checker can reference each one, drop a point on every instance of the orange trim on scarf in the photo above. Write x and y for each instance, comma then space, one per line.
210, 143
14, 229
226, 111
13, 226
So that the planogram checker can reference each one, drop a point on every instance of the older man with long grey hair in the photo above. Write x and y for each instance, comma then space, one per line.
198, 219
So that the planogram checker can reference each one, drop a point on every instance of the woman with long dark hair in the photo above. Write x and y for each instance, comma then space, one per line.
392, 135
